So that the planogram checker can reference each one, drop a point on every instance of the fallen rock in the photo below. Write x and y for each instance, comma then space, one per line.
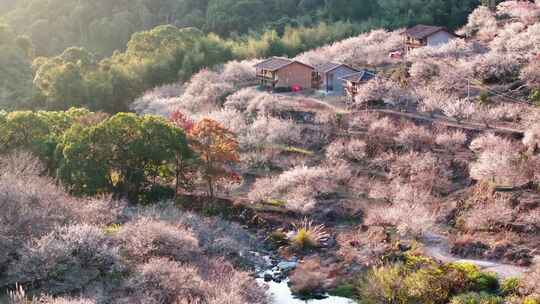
286, 266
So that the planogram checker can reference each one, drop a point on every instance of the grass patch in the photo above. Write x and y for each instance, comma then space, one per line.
276, 202
344, 291
298, 150
112, 229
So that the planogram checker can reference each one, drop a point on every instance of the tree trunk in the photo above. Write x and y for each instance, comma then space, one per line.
210, 187
177, 179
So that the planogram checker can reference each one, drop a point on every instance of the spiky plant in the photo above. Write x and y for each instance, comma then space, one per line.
307, 235
17, 296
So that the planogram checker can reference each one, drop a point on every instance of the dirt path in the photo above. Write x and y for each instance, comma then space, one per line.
436, 246
472, 126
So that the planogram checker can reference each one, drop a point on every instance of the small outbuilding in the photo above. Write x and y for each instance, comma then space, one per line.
278, 72
352, 82
427, 35
330, 76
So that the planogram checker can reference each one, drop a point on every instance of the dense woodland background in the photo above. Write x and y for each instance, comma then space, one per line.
102, 54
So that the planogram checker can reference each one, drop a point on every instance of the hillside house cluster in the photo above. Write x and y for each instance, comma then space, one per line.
332, 78
338, 78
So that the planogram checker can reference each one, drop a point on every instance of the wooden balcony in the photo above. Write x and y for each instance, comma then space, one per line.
351, 90
266, 76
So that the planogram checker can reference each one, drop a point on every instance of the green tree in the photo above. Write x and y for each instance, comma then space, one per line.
234, 16
125, 154
37, 132
350, 9
15, 70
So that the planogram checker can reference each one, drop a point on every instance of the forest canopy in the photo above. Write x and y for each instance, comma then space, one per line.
103, 26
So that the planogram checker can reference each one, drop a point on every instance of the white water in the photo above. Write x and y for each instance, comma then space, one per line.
280, 293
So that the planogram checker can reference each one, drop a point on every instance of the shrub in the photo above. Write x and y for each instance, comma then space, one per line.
510, 286
307, 235
455, 49
266, 131
496, 67
531, 75
532, 138
534, 97
159, 101
489, 141
428, 285
422, 280
423, 171
383, 285
381, 134
489, 216
452, 140
415, 137
477, 280
526, 11
21, 164
163, 281
409, 213
205, 91
481, 22
240, 100
18, 296
32, 206
460, 109
423, 71
370, 48
299, 187
380, 90
310, 277
484, 99
239, 73
503, 166
278, 238
237, 287
145, 238
531, 281
69, 259
531, 300
525, 43
504, 112
215, 235
353, 150
230, 119
477, 298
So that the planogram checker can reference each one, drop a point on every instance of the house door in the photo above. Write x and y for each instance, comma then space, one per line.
330, 82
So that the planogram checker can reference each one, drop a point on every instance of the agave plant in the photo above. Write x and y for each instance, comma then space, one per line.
307, 235
17, 296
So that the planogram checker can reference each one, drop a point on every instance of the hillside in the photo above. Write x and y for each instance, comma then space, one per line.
422, 188
107, 37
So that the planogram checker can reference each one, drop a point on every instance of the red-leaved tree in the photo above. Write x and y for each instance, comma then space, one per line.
217, 148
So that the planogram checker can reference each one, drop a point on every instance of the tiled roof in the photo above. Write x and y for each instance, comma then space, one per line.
329, 66
359, 77
326, 67
276, 63
421, 31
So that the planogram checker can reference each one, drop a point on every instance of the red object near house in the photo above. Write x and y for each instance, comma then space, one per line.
296, 88
395, 55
